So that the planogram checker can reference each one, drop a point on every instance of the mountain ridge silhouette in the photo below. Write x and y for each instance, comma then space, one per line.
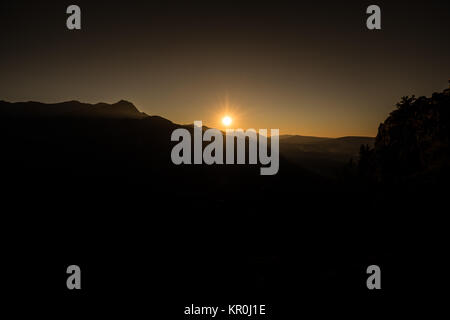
75, 108
122, 108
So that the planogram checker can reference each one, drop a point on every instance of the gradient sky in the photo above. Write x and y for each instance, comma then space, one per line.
305, 67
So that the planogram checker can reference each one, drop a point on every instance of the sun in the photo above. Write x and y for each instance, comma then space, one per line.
227, 121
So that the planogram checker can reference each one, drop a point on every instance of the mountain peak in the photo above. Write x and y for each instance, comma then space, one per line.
124, 102
125, 108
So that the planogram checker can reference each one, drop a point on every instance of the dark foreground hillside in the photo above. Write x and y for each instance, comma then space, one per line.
94, 185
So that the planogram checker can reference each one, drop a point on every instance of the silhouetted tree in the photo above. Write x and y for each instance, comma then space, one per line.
412, 142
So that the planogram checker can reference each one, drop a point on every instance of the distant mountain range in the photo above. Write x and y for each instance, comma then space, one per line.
62, 124
344, 145
325, 156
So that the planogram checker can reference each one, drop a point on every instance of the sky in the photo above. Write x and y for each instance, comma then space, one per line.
304, 67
